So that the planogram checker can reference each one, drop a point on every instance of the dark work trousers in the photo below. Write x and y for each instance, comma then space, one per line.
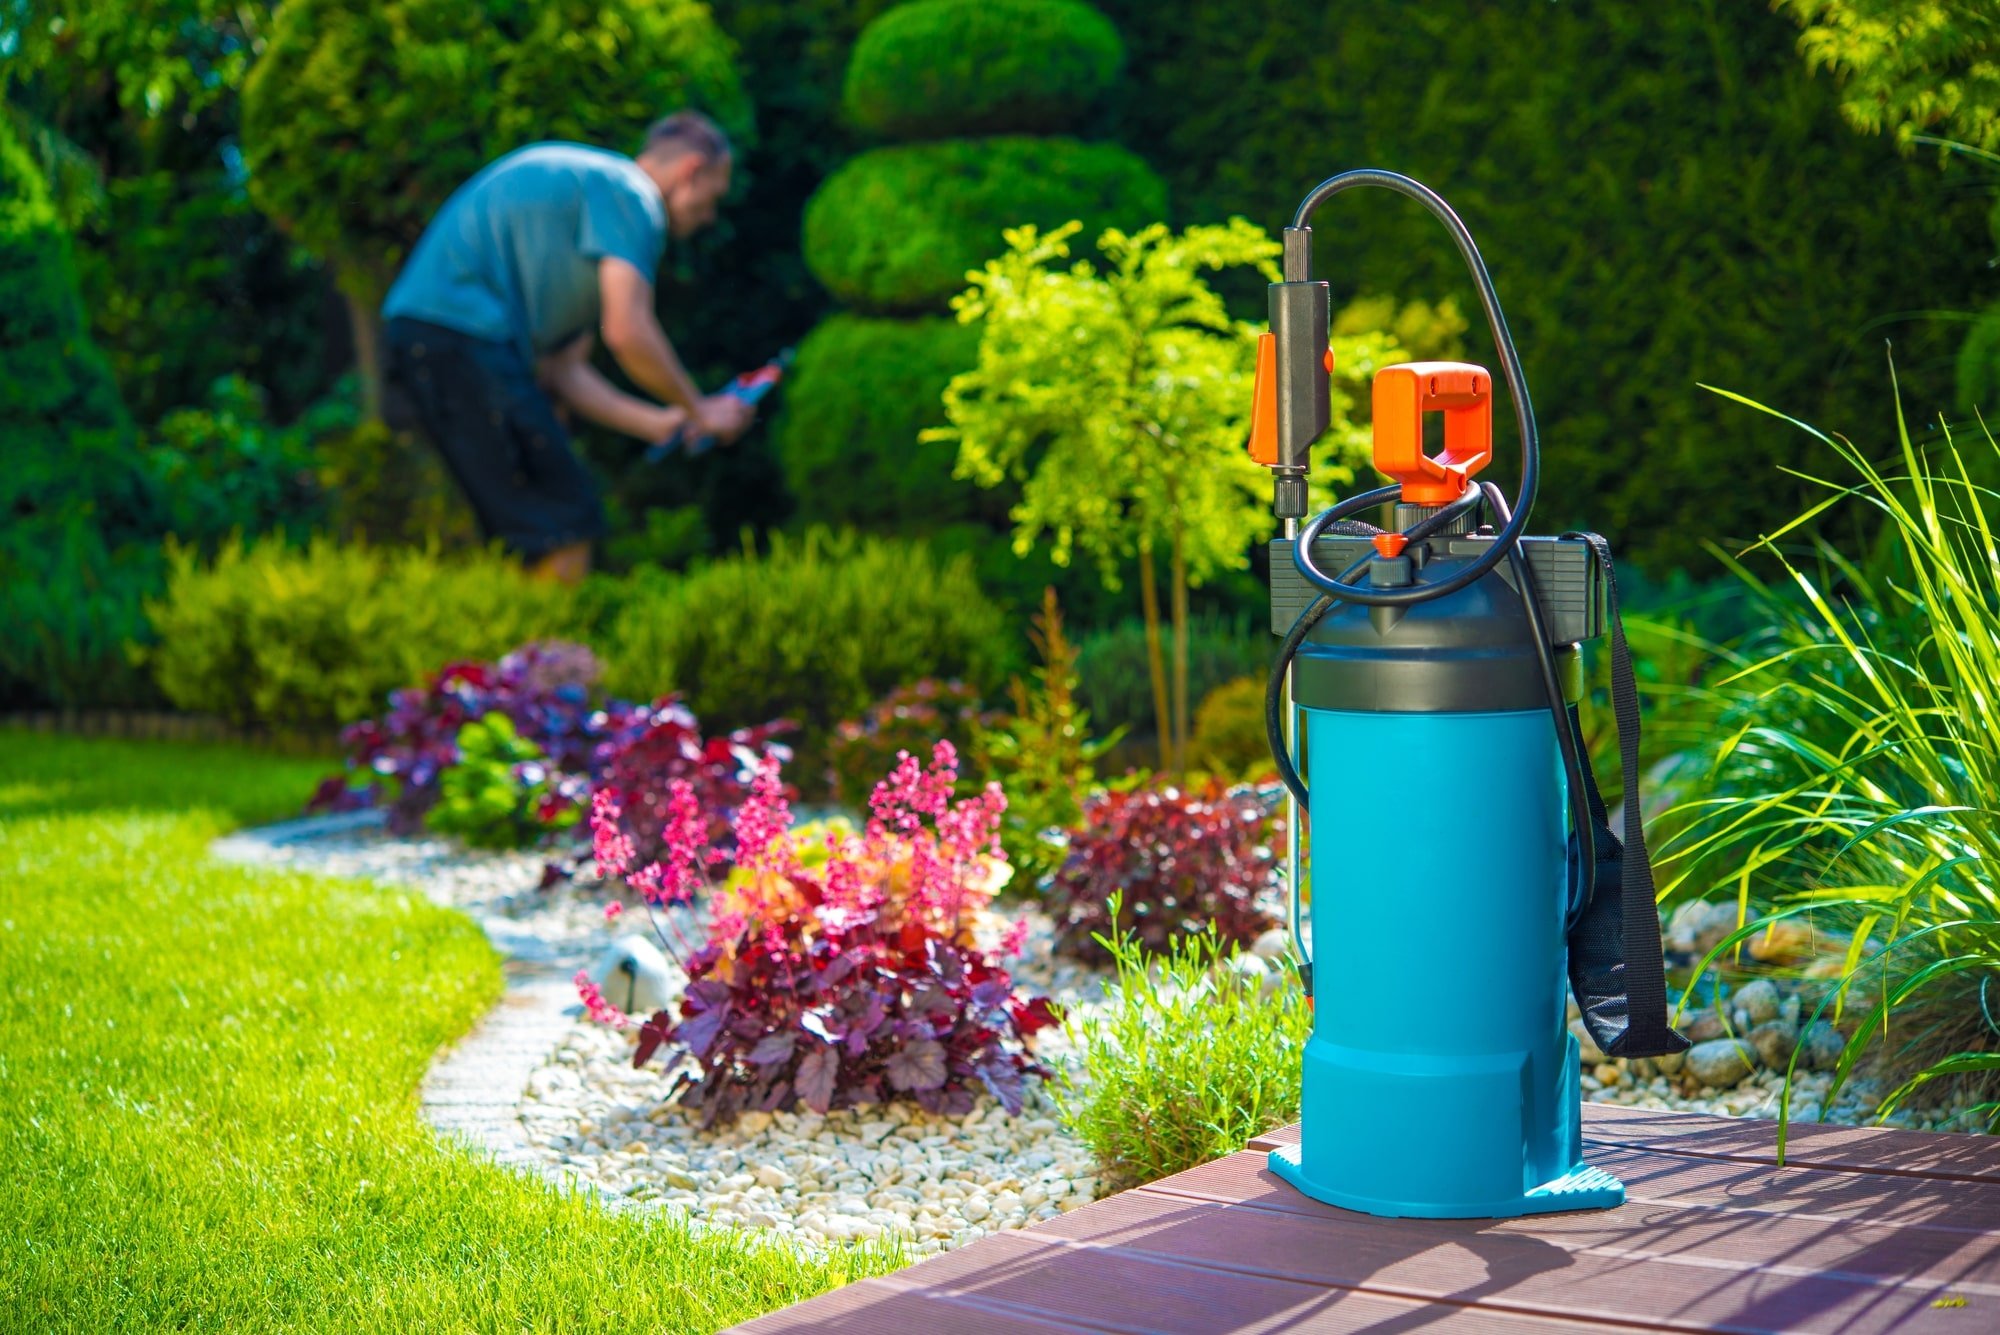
477, 402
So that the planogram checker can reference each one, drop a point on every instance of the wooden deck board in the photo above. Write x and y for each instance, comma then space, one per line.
1860, 1230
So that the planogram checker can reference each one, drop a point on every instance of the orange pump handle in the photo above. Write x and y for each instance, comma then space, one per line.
1403, 394
1264, 400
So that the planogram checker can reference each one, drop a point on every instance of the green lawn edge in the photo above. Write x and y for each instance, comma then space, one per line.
208, 1074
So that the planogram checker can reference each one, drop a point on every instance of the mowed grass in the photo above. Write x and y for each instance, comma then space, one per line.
207, 1089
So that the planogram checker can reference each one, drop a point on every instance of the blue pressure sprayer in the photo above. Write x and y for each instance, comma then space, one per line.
1463, 870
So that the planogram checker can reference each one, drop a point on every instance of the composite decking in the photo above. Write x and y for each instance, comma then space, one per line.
1861, 1230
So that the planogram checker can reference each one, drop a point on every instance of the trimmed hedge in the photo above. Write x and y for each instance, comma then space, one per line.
897, 229
1666, 196
814, 631
861, 390
312, 638
960, 67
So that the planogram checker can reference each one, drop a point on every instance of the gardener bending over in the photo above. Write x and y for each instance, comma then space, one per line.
489, 326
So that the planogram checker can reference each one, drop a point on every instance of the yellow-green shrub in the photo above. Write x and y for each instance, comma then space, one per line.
313, 637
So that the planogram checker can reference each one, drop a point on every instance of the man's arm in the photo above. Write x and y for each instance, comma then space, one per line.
569, 376
635, 338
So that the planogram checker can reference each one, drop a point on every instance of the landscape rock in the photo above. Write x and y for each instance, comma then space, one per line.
1720, 1062
1716, 923
1774, 1042
1824, 1044
1786, 941
1758, 999
1704, 1026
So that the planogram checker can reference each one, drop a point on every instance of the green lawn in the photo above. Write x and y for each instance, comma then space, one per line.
207, 1089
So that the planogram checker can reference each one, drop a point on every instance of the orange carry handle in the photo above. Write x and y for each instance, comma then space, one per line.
1264, 400
1403, 394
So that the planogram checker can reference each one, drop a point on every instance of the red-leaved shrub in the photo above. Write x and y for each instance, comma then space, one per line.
666, 745
1183, 860
845, 980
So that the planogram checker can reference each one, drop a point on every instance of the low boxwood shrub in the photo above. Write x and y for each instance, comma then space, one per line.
897, 229
945, 67
813, 630
308, 638
839, 971
1195, 1051
1168, 861
862, 390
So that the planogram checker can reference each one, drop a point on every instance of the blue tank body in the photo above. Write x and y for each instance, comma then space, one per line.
1441, 1080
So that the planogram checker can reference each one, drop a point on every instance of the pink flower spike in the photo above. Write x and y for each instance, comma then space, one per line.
1015, 939
610, 845
599, 1009
612, 910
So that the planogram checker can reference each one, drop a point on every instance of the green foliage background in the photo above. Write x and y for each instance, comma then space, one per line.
74, 496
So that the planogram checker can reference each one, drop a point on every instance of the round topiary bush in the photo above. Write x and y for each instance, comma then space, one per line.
953, 67
860, 392
896, 229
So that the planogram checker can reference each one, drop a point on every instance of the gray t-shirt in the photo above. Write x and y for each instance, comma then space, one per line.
512, 256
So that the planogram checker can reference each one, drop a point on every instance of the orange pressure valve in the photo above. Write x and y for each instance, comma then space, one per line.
1403, 394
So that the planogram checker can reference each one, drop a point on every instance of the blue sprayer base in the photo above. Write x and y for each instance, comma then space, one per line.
1582, 1188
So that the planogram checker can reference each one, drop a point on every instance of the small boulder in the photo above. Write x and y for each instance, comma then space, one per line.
1703, 1026
1824, 1045
1720, 1062
1716, 925
1786, 941
634, 976
1774, 1041
1683, 928
1759, 1000
1670, 1063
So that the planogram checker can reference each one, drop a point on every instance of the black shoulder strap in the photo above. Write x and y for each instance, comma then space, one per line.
1616, 966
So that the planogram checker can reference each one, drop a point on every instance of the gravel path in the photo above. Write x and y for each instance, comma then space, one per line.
542, 1089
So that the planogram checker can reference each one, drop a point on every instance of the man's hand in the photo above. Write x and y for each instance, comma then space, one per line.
723, 416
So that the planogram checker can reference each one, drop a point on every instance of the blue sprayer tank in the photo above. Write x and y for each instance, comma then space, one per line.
1441, 1078
1464, 878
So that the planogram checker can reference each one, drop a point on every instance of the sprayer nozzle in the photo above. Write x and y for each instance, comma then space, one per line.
1288, 496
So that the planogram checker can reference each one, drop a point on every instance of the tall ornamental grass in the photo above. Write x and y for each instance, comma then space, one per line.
1856, 776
